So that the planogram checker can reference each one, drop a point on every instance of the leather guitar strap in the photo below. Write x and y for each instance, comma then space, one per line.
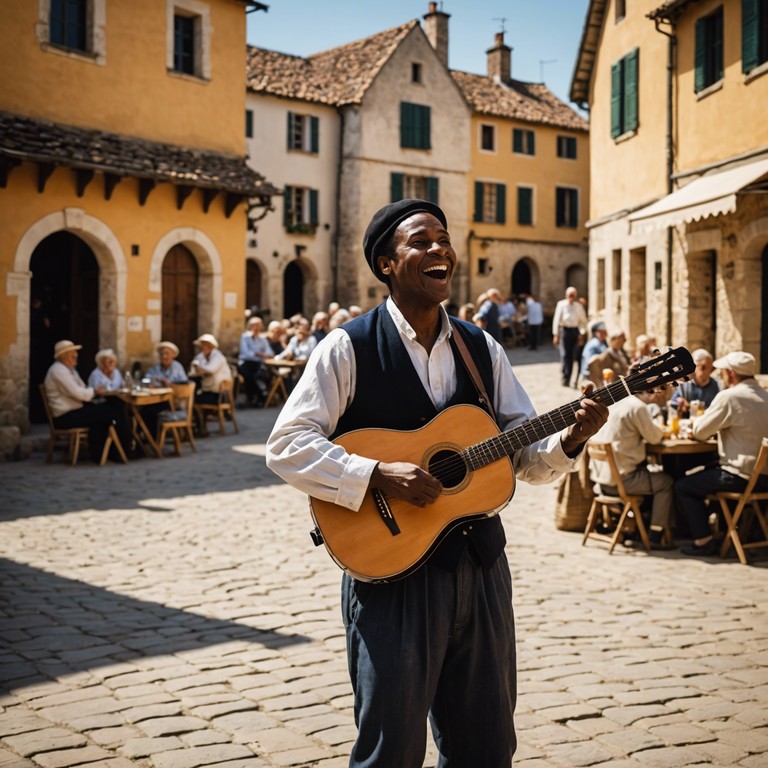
458, 341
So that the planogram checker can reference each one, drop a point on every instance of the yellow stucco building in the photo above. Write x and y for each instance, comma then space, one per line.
124, 193
678, 230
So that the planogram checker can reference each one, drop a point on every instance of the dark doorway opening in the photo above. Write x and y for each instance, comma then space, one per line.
764, 314
180, 286
253, 285
64, 296
293, 290
521, 278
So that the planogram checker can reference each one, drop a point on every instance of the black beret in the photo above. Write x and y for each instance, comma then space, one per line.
385, 221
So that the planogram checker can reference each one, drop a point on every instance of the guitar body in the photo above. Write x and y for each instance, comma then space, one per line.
364, 543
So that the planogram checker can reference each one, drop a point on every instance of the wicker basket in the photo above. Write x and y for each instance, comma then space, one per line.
574, 498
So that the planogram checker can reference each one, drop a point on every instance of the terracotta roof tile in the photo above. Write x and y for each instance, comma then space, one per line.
24, 138
317, 77
530, 102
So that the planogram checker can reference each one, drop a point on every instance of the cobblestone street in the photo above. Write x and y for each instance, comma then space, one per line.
173, 613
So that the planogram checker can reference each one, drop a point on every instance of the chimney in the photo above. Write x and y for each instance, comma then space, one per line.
436, 27
500, 60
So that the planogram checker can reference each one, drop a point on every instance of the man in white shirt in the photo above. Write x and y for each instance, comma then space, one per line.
568, 323
439, 642
534, 321
213, 368
254, 348
738, 416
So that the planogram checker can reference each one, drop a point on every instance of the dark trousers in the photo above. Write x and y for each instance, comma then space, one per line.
569, 340
254, 378
691, 493
534, 335
97, 418
437, 645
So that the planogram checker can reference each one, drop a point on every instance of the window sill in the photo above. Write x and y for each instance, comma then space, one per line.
710, 89
756, 72
303, 151
73, 53
626, 136
301, 229
523, 154
199, 79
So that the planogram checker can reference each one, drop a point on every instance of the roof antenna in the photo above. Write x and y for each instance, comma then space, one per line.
502, 19
542, 62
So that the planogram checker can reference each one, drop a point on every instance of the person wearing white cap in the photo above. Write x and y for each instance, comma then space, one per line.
71, 406
168, 370
739, 417
105, 374
701, 387
213, 368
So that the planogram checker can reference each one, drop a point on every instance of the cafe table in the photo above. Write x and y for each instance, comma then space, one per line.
283, 371
138, 398
679, 454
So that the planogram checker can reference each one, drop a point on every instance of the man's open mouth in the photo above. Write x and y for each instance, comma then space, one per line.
438, 272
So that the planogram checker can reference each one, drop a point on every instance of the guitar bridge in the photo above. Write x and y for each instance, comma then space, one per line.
385, 512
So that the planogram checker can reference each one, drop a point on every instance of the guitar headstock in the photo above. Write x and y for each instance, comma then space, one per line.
655, 372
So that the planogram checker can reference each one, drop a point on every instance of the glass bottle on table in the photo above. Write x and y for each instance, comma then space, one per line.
674, 420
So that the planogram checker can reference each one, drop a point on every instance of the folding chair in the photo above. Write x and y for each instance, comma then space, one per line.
225, 405
605, 507
747, 509
178, 421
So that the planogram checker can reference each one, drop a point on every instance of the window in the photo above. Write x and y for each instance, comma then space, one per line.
566, 147
709, 50
69, 24
403, 187
600, 285
754, 33
525, 206
490, 202
184, 44
488, 138
566, 207
248, 123
414, 126
523, 142
621, 10
616, 259
300, 212
188, 38
624, 106
303, 133
657, 282
415, 72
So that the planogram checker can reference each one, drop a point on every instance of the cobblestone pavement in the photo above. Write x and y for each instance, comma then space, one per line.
174, 614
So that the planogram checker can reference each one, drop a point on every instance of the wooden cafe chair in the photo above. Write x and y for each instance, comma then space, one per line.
75, 438
225, 406
747, 508
178, 422
623, 507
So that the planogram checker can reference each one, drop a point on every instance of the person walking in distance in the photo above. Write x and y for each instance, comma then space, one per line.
569, 321
438, 643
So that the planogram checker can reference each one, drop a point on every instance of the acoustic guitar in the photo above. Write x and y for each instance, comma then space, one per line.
388, 538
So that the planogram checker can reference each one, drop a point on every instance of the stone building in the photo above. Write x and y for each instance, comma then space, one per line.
124, 189
678, 230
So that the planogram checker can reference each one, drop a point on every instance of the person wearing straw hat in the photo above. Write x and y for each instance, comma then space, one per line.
439, 643
168, 370
212, 367
71, 403
105, 375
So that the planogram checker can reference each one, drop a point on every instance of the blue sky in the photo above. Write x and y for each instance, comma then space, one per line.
544, 34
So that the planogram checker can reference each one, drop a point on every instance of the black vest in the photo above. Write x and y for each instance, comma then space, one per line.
389, 394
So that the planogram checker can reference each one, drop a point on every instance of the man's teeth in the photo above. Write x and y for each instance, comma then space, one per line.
436, 269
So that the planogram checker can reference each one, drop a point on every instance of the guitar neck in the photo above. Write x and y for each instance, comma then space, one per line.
506, 443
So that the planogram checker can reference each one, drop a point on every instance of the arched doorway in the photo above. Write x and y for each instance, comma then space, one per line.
293, 290
252, 285
180, 299
521, 278
764, 313
64, 304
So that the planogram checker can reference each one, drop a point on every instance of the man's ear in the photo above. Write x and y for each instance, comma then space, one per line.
382, 262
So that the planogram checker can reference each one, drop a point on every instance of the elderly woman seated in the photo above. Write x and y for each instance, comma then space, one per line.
105, 375
212, 368
168, 370
71, 403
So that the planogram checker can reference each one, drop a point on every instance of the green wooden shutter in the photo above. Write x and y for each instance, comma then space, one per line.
631, 71
290, 130
531, 143
717, 45
699, 78
395, 187
431, 189
501, 203
315, 134
426, 128
749, 35
517, 141
287, 211
559, 206
616, 99
524, 205
249, 123
313, 216
573, 208
406, 124
478, 201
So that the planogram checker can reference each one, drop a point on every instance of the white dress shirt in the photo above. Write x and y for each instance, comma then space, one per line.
568, 315
100, 379
213, 369
299, 450
65, 389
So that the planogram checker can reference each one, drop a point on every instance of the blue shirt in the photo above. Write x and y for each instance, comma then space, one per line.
253, 349
690, 390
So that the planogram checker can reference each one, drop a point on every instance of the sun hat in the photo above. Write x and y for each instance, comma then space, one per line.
700, 354
384, 222
208, 337
741, 363
102, 353
598, 326
65, 345
168, 345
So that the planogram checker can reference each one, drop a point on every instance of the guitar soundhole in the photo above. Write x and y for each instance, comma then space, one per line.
449, 468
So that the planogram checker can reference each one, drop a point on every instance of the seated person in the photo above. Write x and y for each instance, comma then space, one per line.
71, 406
276, 336
629, 427
212, 368
105, 375
739, 417
168, 370
596, 345
301, 343
253, 349
613, 357
701, 387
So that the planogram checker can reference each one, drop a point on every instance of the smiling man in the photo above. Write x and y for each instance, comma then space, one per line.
439, 643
